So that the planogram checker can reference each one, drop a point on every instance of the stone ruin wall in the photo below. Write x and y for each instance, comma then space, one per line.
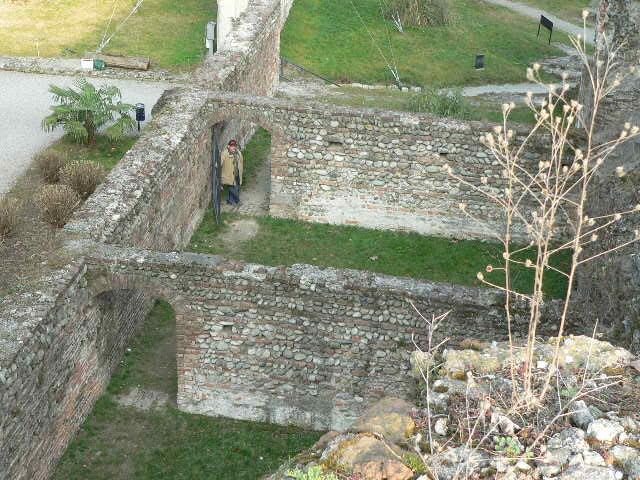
154, 199
372, 168
59, 347
608, 289
302, 345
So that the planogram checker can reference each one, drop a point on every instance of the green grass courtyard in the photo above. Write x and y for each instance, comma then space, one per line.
170, 32
125, 442
350, 42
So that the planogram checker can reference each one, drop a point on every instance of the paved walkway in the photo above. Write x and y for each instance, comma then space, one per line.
533, 12
25, 101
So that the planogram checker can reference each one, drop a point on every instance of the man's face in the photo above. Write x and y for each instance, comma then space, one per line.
232, 148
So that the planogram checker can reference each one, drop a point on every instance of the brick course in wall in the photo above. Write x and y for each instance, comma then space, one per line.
302, 345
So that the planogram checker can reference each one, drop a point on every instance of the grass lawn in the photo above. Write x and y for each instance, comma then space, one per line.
255, 154
329, 37
170, 32
568, 10
394, 100
286, 242
118, 442
104, 152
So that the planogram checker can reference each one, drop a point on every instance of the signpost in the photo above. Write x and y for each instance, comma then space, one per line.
216, 199
546, 23
140, 115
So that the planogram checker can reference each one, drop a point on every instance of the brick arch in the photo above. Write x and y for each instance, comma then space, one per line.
219, 111
106, 281
103, 281
267, 118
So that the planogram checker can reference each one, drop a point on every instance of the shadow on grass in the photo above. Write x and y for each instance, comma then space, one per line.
287, 242
118, 442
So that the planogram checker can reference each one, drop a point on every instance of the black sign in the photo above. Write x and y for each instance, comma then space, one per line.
140, 116
479, 62
546, 23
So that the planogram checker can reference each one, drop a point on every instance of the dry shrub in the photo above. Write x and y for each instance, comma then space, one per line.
82, 176
57, 203
417, 13
8, 216
49, 164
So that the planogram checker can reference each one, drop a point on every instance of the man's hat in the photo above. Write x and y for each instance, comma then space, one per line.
233, 143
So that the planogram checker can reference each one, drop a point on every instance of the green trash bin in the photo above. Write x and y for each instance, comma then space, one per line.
99, 64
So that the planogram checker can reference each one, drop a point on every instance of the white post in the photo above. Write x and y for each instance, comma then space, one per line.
228, 11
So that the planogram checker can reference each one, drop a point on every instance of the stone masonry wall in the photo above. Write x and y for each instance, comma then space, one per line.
67, 348
300, 345
59, 345
372, 168
608, 289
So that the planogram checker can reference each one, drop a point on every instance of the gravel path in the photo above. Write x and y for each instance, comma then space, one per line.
535, 13
25, 101
507, 88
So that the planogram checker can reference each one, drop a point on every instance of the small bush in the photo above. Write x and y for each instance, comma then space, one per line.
417, 13
8, 216
82, 176
49, 164
446, 104
314, 473
57, 203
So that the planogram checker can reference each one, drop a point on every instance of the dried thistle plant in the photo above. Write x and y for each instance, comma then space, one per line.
545, 198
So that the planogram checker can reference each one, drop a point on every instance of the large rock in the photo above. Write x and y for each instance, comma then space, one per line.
588, 472
387, 470
420, 363
560, 449
581, 416
578, 352
604, 431
390, 417
575, 353
458, 362
458, 462
628, 459
360, 450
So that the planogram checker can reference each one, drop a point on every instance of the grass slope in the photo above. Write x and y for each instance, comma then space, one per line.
386, 99
334, 38
568, 10
125, 443
286, 242
170, 32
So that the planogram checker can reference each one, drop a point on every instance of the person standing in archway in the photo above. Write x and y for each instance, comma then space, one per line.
232, 163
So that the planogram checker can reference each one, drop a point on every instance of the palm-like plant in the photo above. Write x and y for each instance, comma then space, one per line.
84, 110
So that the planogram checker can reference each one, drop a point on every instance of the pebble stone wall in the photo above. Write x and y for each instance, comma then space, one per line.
372, 168
59, 345
302, 345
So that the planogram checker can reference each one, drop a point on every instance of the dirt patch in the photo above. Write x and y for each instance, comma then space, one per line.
34, 250
239, 232
143, 399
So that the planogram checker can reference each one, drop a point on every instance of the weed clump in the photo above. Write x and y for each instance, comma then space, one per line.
57, 203
8, 216
417, 13
449, 103
49, 165
82, 176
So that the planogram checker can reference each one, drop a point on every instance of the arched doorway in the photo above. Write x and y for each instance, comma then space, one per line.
255, 145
